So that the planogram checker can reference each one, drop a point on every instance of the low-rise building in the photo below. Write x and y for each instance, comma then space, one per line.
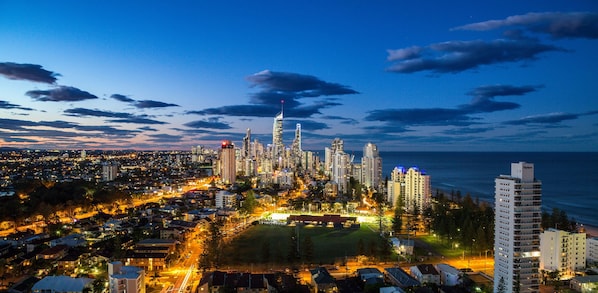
563, 251
60, 284
425, 273
322, 281
123, 279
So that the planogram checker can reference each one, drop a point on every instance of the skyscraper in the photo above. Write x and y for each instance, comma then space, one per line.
371, 167
277, 145
296, 150
517, 220
228, 168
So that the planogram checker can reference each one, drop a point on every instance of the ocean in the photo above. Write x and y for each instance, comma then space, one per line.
569, 179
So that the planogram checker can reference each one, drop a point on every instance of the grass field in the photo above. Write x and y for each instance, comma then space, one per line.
329, 244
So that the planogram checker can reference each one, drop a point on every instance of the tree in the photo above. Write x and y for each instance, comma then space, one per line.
293, 253
308, 249
501, 287
250, 203
397, 221
360, 247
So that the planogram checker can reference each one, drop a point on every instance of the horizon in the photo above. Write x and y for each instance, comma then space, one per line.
486, 77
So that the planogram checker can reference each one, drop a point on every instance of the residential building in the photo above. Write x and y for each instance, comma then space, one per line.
228, 168
123, 279
518, 216
563, 251
410, 188
109, 171
425, 273
371, 167
322, 281
592, 251
225, 199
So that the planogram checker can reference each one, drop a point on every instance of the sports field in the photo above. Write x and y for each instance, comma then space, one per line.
329, 244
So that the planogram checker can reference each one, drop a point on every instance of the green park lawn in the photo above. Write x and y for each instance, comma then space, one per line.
329, 244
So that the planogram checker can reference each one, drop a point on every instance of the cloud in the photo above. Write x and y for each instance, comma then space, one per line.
483, 97
467, 130
61, 94
7, 105
165, 138
26, 128
386, 128
31, 72
308, 125
298, 84
550, 118
556, 24
122, 98
210, 124
458, 56
147, 128
152, 104
83, 112
423, 116
405, 53
344, 120
137, 120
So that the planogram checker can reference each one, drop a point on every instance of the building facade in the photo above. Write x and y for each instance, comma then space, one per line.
410, 188
518, 216
228, 166
563, 251
125, 279
371, 167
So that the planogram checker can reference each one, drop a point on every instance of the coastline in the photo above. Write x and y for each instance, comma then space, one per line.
590, 230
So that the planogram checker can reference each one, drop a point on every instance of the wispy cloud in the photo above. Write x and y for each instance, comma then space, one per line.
209, 124
7, 105
61, 94
556, 24
30, 72
550, 118
142, 104
84, 112
458, 56
122, 98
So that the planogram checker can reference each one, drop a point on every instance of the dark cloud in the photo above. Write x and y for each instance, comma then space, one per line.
491, 91
423, 116
122, 98
31, 72
165, 138
298, 84
308, 125
15, 124
210, 124
386, 128
137, 120
61, 94
556, 24
147, 128
84, 112
152, 104
457, 56
551, 118
25, 128
467, 130
7, 105
344, 120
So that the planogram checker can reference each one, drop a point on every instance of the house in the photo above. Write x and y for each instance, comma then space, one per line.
72, 240
59, 284
585, 284
322, 281
399, 277
449, 275
55, 252
365, 274
402, 246
425, 273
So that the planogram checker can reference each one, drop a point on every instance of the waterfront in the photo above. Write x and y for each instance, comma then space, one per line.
569, 179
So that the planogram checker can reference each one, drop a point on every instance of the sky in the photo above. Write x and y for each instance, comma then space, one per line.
404, 75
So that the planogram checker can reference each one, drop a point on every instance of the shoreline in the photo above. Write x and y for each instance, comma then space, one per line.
590, 230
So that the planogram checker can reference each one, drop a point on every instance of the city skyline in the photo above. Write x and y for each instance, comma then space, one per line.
489, 76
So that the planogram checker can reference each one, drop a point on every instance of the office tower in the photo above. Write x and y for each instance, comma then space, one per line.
517, 220
563, 251
296, 151
123, 279
277, 145
109, 171
371, 167
228, 168
410, 188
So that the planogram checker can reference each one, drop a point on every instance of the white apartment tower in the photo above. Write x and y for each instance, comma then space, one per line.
228, 168
371, 167
563, 251
517, 220
109, 171
411, 187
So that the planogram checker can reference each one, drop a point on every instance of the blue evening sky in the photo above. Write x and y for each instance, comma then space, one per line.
405, 75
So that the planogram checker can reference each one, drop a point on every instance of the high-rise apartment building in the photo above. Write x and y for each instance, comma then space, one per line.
563, 251
411, 187
517, 220
109, 171
592, 251
228, 168
371, 167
